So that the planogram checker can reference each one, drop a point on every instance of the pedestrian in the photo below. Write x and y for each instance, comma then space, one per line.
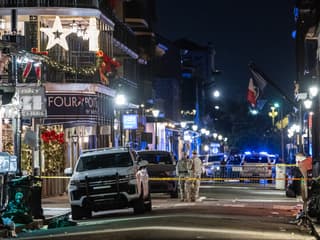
182, 173
196, 170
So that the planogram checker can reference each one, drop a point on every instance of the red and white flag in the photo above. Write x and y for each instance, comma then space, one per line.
252, 94
256, 85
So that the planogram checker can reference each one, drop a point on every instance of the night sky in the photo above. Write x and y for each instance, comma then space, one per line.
240, 31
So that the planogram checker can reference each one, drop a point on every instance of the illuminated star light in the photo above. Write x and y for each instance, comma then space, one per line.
57, 34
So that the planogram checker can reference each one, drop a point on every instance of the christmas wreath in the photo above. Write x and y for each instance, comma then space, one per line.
107, 66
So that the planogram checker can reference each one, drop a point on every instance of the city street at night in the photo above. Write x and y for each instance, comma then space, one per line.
224, 212
160, 119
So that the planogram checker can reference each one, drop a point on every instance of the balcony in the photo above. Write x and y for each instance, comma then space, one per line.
122, 33
50, 3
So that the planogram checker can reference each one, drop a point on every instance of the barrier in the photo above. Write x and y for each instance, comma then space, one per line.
280, 176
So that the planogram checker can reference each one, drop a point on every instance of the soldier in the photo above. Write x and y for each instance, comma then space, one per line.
182, 173
196, 169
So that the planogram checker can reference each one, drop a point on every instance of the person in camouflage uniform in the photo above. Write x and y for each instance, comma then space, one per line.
195, 170
182, 173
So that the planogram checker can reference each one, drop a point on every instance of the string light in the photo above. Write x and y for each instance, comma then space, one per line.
74, 26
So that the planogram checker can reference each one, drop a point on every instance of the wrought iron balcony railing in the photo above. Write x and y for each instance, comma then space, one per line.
50, 3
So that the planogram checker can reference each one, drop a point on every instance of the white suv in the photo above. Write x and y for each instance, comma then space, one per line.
256, 166
105, 179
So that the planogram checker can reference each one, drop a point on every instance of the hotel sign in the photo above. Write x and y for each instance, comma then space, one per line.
82, 106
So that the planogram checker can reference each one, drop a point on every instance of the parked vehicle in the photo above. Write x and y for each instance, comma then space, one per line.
233, 167
161, 165
256, 166
214, 165
105, 179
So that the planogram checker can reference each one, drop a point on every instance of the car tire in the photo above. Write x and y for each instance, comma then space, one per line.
148, 203
138, 204
80, 212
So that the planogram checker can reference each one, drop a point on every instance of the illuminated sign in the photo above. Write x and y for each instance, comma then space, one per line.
130, 121
82, 106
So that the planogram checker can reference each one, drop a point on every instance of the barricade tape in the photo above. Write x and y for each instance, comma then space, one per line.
201, 179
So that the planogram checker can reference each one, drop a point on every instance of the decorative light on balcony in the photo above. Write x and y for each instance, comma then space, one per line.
85, 34
80, 31
74, 26
57, 34
2, 24
93, 34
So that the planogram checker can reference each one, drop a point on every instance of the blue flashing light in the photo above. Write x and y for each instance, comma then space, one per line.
294, 34
247, 153
263, 153
186, 75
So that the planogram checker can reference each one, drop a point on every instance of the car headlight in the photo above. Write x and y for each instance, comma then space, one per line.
76, 183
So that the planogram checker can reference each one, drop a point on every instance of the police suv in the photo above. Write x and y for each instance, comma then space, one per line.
105, 179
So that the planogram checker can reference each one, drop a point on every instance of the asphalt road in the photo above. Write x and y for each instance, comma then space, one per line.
227, 211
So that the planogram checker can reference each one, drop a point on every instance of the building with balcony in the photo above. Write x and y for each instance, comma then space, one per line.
82, 53
307, 17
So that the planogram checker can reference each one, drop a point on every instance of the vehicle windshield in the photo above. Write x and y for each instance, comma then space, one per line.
156, 158
110, 160
256, 159
217, 158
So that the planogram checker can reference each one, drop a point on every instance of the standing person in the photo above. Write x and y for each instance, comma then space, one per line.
196, 175
182, 173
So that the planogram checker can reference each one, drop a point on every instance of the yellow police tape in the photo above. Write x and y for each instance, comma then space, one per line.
203, 179
193, 179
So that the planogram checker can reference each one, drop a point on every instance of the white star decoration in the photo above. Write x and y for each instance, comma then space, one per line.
57, 34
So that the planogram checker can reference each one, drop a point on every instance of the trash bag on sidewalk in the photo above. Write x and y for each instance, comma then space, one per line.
61, 221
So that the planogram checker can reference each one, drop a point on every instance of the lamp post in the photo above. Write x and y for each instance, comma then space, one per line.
194, 128
183, 126
155, 113
281, 130
120, 101
273, 114
17, 106
74, 139
308, 105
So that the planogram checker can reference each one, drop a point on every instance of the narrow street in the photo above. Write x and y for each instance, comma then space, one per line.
224, 212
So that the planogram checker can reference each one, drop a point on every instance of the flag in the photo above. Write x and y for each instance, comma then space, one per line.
256, 85
283, 123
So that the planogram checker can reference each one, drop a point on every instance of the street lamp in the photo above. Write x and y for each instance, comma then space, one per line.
120, 101
183, 124
194, 128
277, 105
74, 139
273, 114
155, 113
216, 93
